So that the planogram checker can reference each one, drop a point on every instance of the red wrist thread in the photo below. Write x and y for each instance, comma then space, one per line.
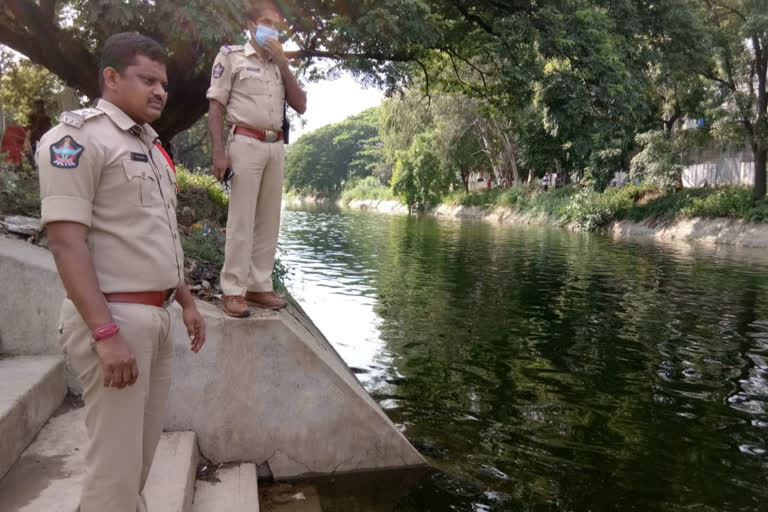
105, 331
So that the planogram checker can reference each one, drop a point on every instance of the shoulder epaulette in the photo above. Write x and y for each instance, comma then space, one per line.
77, 118
227, 48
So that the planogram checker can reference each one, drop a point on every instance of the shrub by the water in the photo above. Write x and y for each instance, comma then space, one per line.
366, 189
19, 189
201, 192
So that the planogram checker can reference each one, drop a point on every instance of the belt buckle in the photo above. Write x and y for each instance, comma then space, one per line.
270, 136
171, 297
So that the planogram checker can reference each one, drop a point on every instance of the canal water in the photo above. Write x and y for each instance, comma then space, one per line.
543, 370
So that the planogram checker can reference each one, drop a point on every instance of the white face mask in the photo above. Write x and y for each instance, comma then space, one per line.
262, 34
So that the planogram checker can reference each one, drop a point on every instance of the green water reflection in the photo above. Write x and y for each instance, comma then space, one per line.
544, 370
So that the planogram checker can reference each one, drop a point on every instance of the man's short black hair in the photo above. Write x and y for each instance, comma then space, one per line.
121, 50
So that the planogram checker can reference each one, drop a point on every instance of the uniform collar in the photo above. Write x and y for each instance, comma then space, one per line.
249, 49
124, 122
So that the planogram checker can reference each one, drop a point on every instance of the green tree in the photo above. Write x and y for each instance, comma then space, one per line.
320, 162
24, 82
452, 121
65, 37
420, 179
192, 147
737, 32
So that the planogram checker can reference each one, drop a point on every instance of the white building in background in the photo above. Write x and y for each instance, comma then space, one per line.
713, 167
478, 179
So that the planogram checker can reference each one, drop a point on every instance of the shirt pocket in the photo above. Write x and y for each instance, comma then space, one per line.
173, 188
252, 82
143, 183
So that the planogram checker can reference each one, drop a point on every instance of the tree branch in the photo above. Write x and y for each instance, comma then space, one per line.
48, 10
719, 80
468, 63
473, 18
23, 25
378, 57
726, 8
426, 78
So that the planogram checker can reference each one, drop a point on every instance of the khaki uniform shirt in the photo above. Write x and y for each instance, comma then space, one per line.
249, 86
101, 169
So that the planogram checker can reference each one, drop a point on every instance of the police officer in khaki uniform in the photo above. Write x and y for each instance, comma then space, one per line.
250, 83
109, 200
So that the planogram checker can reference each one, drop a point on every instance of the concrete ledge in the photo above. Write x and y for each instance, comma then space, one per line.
235, 490
32, 389
712, 232
266, 389
171, 482
31, 298
269, 388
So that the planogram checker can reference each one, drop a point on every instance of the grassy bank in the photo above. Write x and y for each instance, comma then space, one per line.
366, 189
593, 210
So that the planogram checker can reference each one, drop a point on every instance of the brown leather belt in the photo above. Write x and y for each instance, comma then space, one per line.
262, 135
157, 299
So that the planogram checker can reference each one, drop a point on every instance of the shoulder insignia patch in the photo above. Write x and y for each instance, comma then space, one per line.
231, 48
218, 70
66, 153
77, 118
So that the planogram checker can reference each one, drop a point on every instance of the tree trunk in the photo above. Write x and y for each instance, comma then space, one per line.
488, 149
530, 177
73, 56
559, 170
761, 152
509, 157
669, 124
759, 145
513, 162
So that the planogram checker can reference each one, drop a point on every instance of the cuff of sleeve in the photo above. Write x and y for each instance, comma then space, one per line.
220, 95
66, 209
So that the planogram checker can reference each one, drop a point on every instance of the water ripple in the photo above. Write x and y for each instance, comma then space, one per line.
546, 370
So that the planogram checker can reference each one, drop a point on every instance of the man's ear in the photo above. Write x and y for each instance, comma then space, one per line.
110, 76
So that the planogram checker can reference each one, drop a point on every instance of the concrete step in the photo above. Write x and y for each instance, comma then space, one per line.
233, 488
171, 482
32, 388
290, 497
48, 476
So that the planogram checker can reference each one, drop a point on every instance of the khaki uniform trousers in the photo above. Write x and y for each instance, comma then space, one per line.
124, 425
253, 224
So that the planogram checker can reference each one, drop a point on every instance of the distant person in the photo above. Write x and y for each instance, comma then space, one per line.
545, 181
39, 123
251, 84
109, 204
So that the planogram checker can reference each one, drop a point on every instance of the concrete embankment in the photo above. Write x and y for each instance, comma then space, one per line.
269, 390
704, 231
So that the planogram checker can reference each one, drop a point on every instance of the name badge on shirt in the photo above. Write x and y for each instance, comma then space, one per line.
254, 70
139, 157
